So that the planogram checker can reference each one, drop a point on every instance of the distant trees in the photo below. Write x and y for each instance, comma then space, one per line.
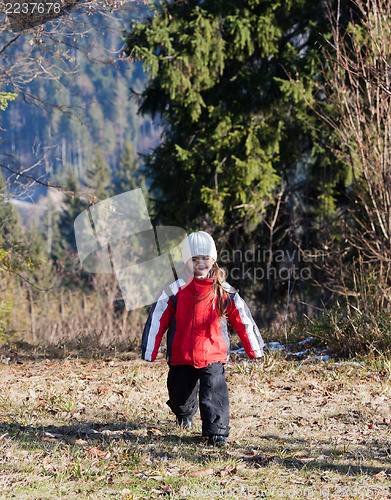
71, 83
81, 128
48, 48
74, 70
13, 254
45, 294
128, 175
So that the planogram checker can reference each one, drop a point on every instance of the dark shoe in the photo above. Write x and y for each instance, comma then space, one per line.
217, 440
185, 422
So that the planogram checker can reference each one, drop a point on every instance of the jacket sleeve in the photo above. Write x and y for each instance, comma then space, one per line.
243, 323
158, 321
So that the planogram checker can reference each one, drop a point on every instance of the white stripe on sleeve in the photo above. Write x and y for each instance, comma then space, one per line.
253, 334
161, 306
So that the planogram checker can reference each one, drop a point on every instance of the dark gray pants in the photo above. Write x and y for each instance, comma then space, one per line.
185, 383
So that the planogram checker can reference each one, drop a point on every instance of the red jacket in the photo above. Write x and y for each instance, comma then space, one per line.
197, 336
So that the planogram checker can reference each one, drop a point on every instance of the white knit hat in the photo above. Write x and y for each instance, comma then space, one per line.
199, 243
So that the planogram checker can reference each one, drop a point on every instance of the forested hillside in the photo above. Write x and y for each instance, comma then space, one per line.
82, 106
68, 120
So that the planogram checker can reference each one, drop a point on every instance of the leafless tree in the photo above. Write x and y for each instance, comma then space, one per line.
358, 88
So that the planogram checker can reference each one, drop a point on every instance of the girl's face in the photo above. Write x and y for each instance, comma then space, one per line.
201, 265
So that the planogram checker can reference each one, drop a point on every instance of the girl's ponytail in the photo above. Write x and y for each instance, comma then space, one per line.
218, 287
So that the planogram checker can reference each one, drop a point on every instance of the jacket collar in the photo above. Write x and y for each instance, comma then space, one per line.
200, 281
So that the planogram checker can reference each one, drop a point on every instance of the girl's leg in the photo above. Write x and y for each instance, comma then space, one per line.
214, 400
183, 385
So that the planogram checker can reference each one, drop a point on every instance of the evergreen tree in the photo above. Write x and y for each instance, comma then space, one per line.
128, 175
99, 177
64, 250
235, 126
14, 247
10, 229
233, 84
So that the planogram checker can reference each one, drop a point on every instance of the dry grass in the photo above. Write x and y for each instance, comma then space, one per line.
79, 428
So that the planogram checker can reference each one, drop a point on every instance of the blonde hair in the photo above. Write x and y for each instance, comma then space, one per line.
218, 290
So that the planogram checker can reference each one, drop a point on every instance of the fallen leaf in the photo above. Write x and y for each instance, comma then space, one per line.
228, 469
96, 452
301, 453
166, 489
231, 469
81, 441
202, 472
102, 389
140, 473
153, 432
32, 394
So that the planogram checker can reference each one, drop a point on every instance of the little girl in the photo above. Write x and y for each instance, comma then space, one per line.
195, 313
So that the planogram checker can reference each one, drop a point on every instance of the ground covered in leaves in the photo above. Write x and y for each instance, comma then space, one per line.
77, 428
